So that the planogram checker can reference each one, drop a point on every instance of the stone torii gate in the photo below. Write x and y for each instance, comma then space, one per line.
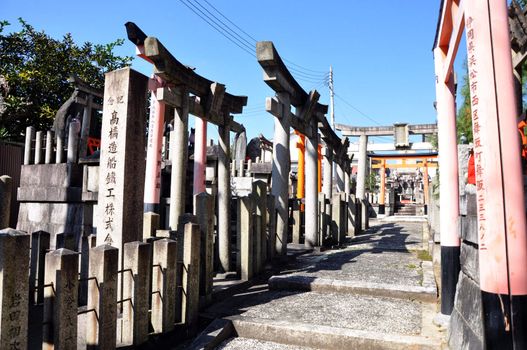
401, 141
308, 114
181, 88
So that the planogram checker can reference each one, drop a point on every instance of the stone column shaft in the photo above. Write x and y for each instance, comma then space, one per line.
280, 173
224, 198
164, 285
178, 154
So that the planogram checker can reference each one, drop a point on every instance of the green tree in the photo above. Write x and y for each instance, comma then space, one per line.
34, 69
464, 114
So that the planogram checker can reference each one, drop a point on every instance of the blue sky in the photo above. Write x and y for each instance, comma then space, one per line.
381, 51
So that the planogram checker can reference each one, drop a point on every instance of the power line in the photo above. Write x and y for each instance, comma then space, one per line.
356, 109
236, 38
215, 26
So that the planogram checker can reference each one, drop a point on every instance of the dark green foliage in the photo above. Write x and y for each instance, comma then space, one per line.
34, 69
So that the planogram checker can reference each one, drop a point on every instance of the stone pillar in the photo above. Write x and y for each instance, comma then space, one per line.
200, 155
39, 139
85, 130
271, 226
245, 237
73, 142
362, 171
190, 280
164, 285
340, 178
6, 184
297, 222
136, 283
179, 158
257, 227
322, 218
122, 162
59, 155
260, 189
352, 215
280, 173
205, 215
150, 224
327, 178
14, 264
28, 147
40, 241
224, 198
311, 212
49, 147
101, 324
156, 126
60, 300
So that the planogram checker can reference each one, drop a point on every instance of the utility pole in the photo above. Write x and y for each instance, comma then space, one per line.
331, 97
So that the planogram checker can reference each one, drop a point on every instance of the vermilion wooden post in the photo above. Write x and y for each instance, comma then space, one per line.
153, 149
449, 183
499, 183
382, 194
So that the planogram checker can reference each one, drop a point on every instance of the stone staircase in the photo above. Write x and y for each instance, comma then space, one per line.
374, 293
405, 209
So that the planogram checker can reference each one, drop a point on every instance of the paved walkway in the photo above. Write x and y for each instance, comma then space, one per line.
377, 292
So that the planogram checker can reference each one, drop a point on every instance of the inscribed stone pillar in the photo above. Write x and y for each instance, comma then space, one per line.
122, 162
260, 192
6, 184
102, 298
280, 173
60, 300
205, 215
136, 283
224, 198
179, 157
13, 289
311, 209
245, 236
164, 285
190, 280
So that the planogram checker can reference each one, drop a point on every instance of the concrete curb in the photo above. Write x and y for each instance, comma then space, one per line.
326, 337
425, 293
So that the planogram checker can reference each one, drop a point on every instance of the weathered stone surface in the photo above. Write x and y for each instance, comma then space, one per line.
205, 216
245, 234
271, 226
164, 285
469, 228
136, 283
461, 336
122, 169
101, 330
469, 260
13, 289
190, 279
150, 224
60, 300
51, 175
470, 323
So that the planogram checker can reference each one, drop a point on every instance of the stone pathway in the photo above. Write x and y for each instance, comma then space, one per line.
376, 292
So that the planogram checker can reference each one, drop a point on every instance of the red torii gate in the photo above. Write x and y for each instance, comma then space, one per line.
500, 206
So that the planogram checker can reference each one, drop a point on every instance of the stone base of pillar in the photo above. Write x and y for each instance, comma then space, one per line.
364, 214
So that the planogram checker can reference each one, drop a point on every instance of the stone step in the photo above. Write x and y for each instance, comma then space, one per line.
425, 293
316, 336
239, 343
